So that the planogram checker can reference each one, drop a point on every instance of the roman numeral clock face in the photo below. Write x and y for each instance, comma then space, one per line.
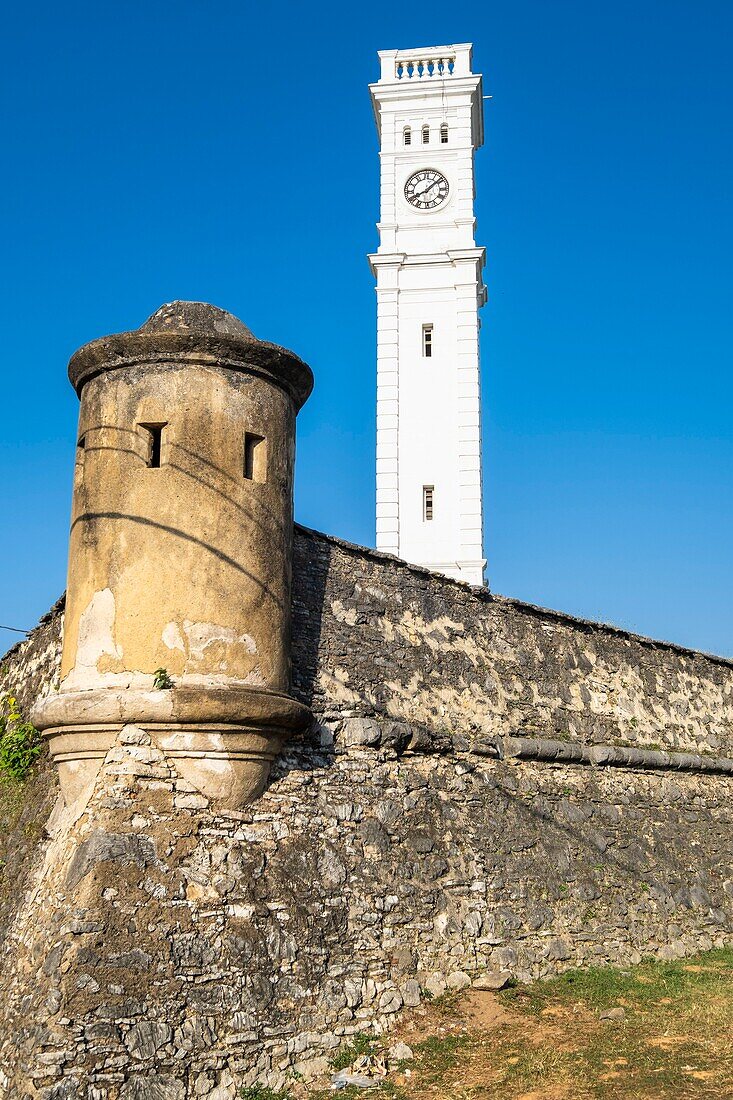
426, 189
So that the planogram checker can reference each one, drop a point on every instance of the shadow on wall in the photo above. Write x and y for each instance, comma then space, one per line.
212, 479
311, 566
179, 533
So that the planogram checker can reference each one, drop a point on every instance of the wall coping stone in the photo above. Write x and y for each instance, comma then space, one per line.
484, 595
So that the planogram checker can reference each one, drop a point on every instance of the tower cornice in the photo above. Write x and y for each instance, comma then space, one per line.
404, 259
439, 91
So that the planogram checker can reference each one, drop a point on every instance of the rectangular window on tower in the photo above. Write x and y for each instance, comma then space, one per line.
427, 341
154, 444
427, 502
255, 457
79, 466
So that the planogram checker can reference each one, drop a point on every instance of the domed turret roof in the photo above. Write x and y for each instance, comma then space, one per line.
195, 333
199, 317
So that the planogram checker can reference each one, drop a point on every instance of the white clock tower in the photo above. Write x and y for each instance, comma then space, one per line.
429, 111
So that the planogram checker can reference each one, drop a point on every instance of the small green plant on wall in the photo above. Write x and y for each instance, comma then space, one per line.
20, 742
161, 679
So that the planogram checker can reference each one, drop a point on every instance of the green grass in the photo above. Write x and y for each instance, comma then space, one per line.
361, 1043
257, 1092
646, 983
672, 1044
448, 1004
439, 1053
673, 1041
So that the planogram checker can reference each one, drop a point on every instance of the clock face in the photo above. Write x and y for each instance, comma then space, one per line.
426, 189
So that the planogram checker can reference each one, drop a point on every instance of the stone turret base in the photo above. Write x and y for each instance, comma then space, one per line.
226, 755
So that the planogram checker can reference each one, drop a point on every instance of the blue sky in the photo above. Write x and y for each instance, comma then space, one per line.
226, 152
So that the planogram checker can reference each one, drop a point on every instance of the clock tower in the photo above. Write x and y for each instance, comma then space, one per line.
428, 108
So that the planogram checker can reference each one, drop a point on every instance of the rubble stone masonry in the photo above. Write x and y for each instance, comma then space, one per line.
486, 786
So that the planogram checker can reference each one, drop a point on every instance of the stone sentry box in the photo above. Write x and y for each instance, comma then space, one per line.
180, 552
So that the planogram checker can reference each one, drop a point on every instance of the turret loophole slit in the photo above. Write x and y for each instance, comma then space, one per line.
155, 444
255, 457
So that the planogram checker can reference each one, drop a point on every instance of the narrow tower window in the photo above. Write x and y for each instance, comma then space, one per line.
255, 457
155, 444
407, 135
425, 135
427, 502
444, 134
80, 449
427, 341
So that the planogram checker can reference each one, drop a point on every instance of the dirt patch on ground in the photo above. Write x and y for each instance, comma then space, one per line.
667, 1042
475, 1011
556, 1092
668, 1038
483, 1011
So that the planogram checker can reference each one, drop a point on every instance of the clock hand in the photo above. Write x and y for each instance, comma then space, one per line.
423, 189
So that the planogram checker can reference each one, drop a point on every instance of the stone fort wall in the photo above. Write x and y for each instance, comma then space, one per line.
487, 786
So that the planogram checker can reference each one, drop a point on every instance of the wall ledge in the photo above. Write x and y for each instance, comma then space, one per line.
609, 756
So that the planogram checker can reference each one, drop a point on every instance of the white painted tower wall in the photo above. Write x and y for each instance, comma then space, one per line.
429, 272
